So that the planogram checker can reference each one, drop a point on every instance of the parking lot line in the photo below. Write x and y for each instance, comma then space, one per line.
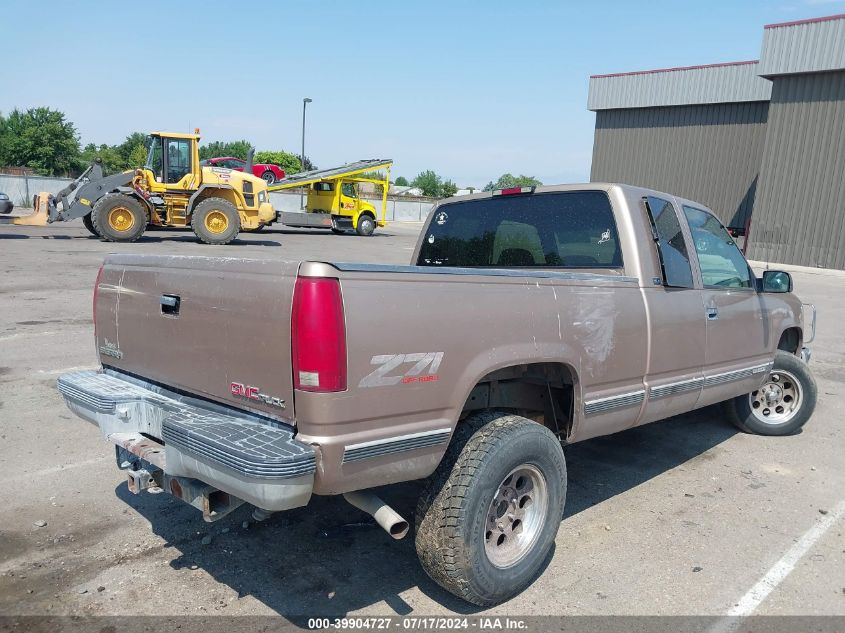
778, 572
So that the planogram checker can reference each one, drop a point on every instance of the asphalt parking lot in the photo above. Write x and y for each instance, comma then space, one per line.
680, 517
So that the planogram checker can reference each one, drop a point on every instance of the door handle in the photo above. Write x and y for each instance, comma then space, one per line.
712, 313
170, 304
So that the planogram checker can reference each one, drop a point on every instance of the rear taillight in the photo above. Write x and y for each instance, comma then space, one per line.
94, 301
318, 335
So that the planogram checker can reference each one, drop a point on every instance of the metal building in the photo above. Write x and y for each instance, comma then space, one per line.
762, 143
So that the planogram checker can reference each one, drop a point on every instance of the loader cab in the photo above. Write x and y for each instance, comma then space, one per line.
173, 161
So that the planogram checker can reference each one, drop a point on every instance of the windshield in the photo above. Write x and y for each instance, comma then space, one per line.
154, 155
573, 229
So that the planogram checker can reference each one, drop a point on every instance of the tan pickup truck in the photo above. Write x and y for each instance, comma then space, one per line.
529, 319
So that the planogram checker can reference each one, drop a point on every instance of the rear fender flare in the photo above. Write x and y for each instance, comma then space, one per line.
513, 356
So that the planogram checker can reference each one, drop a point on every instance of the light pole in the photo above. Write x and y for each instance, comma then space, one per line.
305, 102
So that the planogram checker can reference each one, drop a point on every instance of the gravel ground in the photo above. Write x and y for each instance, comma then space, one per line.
681, 517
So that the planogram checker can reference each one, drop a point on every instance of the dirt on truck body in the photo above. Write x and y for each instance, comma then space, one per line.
528, 319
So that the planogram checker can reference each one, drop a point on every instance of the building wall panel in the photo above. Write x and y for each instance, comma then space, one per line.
715, 83
804, 46
799, 216
707, 153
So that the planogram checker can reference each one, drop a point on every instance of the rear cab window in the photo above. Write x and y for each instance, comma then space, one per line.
565, 229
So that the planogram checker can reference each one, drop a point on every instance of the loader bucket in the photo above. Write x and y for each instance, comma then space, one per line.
38, 217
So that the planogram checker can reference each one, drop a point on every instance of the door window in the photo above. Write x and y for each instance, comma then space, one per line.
178, 159
721, 262
671, 246
349, 190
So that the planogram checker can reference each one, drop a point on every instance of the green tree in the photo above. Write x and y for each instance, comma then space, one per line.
39, 138
137, 157
509, 180
429, 182
133, 150
111, 160
287, 161
217, 149
401, 182
448, 189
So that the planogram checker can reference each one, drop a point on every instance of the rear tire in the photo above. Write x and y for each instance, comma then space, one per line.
119, 218
366, 225
489, 514
782, 404
215, 221
89, 224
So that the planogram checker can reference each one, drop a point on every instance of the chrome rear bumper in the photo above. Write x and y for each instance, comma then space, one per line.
252, 459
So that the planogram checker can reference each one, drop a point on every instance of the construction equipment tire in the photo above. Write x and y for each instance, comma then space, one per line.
117, 217
215, 221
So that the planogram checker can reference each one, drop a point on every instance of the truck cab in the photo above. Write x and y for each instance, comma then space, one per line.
341, 200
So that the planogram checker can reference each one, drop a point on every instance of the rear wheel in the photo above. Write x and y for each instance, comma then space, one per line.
215, 221
366, 225
89, 224
119, 218
782, 404
269, 177
489, 515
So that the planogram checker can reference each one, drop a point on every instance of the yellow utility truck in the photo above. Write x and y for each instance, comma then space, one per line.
172, 189
333, 197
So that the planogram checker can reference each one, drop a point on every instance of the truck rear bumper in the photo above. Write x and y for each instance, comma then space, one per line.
252, 459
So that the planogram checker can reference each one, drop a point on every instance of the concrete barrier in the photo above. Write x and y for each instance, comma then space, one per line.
397, 210
20, 190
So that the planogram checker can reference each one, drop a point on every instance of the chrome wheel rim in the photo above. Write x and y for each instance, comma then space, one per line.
516, 516
778, 399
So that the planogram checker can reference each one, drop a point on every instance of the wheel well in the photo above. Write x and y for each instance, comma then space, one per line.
211, 191
790, 340
543, 392
368, 212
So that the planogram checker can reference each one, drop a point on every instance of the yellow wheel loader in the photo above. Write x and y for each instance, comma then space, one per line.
172, 189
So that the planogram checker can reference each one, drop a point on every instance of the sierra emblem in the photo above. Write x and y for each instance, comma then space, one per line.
254, 393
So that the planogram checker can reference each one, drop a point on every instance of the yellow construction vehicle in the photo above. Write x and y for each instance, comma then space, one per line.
333, 199
172, 189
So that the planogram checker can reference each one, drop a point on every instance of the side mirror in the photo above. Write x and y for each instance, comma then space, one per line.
776, 281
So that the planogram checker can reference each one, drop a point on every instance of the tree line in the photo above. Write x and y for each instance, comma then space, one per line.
433, 185
45, 141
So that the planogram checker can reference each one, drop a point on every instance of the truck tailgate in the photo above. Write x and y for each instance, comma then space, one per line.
215, 327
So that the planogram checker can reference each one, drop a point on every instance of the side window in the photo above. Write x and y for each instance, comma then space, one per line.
671, 246
348, 189
178, 159
722, 264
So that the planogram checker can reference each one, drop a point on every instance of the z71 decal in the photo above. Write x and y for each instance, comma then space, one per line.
424, 369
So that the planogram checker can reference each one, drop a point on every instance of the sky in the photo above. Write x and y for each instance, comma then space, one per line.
469, 89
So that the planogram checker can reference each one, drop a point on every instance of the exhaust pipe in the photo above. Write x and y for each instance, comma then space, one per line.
384, 515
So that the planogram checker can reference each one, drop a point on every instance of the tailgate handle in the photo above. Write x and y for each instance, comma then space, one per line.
170, 305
